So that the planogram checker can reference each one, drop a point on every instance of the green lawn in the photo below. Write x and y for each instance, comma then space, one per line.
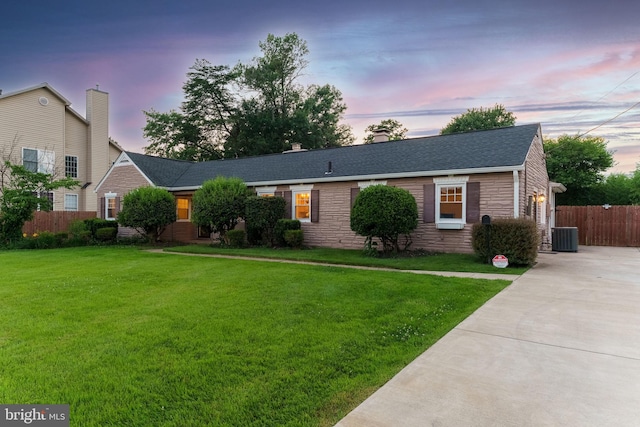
432, 262
128, 337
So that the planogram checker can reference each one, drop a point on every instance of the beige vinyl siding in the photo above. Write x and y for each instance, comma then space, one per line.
34, 125
25, 122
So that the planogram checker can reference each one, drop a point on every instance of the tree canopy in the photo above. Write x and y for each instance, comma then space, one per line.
480, 119
578, 162
250, 109
396, 130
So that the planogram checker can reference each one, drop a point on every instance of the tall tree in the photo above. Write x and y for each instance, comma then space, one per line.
635, 186
199, 131
396, 130
615, 189
248, 110
578, 162
480, 119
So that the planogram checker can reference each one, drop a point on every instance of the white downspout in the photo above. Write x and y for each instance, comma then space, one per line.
516, 195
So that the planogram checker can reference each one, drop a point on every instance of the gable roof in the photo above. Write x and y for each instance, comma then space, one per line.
48, 87
44, 85
495, 150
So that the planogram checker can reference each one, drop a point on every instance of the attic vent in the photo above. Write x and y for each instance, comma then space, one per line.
43, 101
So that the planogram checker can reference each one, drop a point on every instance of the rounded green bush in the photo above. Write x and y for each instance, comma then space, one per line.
385, 213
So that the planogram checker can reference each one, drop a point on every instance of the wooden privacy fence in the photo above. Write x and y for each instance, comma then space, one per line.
54, 221
597, 226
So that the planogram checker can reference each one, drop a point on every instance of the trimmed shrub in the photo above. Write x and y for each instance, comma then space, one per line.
219, 204
106, 234
385, 213
93, 224
517, 239
294, 238
235, 238
61, 238
46, 240
283, 225
79, 233
261, 216
149, 210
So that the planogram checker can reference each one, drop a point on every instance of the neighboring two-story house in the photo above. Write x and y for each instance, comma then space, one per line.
40, 130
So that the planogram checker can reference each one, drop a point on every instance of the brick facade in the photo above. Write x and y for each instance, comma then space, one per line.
498, 192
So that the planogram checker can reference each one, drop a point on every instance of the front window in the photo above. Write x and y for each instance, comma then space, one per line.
30, 159
303, 206
451, 202
71, 166
38, 160
183, 208
70, 202
110, 206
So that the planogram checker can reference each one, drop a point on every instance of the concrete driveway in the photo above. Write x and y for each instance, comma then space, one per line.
559, 347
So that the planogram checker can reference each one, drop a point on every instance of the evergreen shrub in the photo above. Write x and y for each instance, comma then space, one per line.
517, 239
294, 238
384, 213
106, 234
262, 215
236, 238
94, 224
283, 225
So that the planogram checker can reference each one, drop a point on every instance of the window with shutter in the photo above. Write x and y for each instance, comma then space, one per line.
456, 202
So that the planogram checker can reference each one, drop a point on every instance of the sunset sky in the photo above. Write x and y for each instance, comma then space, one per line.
571, 66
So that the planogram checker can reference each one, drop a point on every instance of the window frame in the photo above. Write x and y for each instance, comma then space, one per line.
74, 166
295, 191
107, 198
45, 161
71, 195
445, 183
30, 165
188, 218
266, 191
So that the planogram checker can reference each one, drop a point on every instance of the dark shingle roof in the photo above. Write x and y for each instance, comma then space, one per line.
162, 172
496, 148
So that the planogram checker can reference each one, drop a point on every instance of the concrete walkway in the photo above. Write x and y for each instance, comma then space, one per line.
559, 347
489, 276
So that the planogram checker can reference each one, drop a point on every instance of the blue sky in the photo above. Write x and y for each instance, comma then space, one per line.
571, 66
